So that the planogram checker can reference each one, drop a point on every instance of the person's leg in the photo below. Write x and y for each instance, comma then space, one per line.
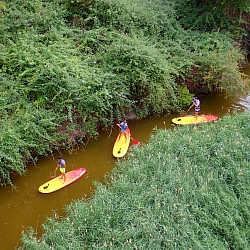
119, 136
126, 135
64, 177
196, 115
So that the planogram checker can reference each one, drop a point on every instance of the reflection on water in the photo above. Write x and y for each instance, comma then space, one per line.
25, 206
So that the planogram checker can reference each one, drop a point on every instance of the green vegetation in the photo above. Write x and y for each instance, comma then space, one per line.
69, 68
212, 15
189, 188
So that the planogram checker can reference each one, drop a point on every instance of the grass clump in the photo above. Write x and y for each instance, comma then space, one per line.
189, 188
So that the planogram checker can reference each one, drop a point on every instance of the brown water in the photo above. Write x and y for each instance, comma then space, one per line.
24, 206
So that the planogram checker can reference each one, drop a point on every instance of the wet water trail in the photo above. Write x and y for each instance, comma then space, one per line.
25, 207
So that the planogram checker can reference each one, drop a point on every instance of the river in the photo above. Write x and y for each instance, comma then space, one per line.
25, 207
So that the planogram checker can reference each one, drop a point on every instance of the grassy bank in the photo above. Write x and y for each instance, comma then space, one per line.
189, 188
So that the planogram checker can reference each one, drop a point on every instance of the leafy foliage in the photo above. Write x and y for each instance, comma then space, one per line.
213, 14
144, 71
78, 66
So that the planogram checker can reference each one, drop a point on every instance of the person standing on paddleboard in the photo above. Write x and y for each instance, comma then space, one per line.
62, 166
196, 104
123, 126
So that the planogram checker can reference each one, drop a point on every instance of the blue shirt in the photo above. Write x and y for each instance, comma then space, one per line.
124, 126
197, 103
62, 163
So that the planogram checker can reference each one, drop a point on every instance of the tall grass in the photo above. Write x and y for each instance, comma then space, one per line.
189, 188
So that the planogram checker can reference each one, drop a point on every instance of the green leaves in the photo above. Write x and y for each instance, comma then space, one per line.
27, 134
84, 63
213, 15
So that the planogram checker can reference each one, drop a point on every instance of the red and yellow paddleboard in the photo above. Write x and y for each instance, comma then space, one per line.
185, 120
121, 144
56, 183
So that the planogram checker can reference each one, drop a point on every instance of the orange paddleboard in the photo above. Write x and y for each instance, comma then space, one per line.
121, 144
192, 119
57, 183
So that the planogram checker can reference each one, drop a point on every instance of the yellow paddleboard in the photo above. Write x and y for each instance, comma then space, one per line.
185, 120
121, 144
57, 183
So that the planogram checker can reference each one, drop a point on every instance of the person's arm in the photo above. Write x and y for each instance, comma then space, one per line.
119, 124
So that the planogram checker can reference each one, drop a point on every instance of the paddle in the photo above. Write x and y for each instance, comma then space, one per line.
183, 115
134, 141
52, 176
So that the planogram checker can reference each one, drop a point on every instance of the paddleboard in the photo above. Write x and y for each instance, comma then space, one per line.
121, 144
57, 183
185, 120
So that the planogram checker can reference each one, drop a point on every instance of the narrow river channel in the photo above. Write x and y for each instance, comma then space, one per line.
25, 207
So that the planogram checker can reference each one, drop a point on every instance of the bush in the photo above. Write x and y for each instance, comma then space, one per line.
84, 64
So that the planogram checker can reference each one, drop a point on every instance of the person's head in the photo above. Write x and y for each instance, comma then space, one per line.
194, 98
59, 158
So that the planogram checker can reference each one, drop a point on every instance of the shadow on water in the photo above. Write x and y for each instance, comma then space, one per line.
25, 207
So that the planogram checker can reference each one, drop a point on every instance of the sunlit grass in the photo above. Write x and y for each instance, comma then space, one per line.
187, 189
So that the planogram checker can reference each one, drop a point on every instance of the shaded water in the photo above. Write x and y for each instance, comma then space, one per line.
25, 206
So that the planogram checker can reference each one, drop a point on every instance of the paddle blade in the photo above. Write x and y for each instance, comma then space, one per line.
52, 177
135, 141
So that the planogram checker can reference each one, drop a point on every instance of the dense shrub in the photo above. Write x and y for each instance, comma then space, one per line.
85, 64
213, 15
